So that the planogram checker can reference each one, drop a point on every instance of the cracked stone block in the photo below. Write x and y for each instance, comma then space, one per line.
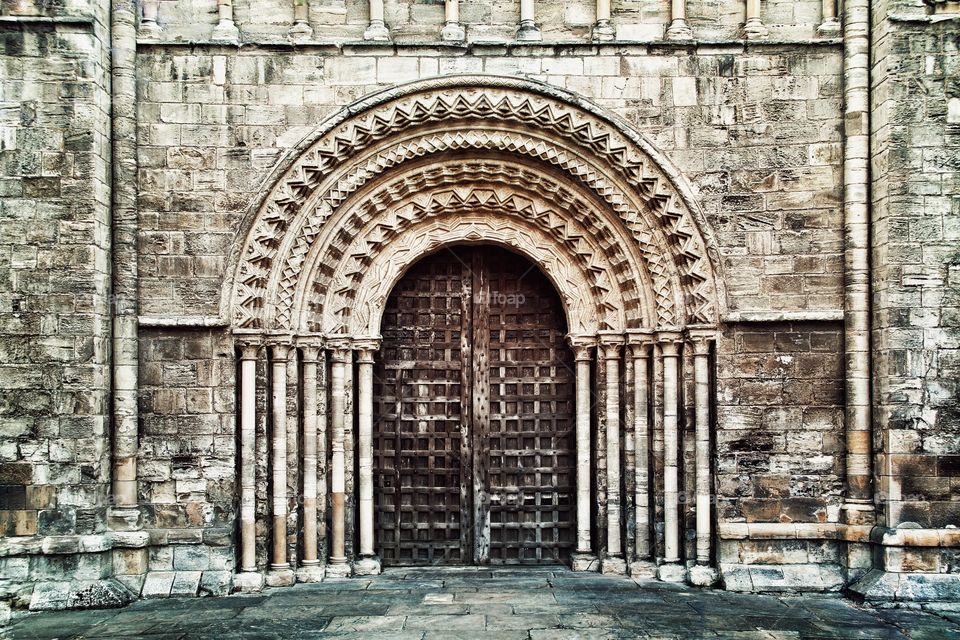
185, 583
158, 584
215, 583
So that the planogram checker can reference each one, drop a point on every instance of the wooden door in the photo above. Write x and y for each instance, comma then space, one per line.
474, 425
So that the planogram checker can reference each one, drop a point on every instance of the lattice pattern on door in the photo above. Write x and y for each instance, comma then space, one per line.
473, 434
530, 436
417, 434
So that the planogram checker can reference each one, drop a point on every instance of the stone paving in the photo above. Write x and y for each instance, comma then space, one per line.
464, 603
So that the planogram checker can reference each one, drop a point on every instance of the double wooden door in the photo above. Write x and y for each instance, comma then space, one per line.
474, 456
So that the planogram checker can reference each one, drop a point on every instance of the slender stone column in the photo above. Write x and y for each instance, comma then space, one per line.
248, 393
280, 573
830, 26
452, 31
527, 31
342, 358
610, 345
671, 571
310, 571
603, 29
301, 29
639, 342
226, 29
369, 563
754, 28
702, 574
377, 30
584, 558
149, 29
679, 29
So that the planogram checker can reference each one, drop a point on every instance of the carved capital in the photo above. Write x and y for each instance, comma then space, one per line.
669, 341
365, 347
581, 346
310, 345
639, 341
610, 344
340, 348
281, 349
701, 338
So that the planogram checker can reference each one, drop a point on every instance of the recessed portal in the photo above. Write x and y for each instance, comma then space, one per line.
474, 415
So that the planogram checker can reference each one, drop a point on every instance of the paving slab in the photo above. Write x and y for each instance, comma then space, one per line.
465, 603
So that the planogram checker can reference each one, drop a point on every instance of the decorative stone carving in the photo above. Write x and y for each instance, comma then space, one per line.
601, 158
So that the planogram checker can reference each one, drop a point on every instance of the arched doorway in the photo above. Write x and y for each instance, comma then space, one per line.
473, 437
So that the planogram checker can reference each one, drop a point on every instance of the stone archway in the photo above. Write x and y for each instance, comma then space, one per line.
475, 159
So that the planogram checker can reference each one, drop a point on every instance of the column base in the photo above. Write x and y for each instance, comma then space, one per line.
529, 33
672, 572
248, 582
679, 30
584, 562
342, 570
611, 566
377, 31
281, 577
829, 29
311, 573
755, 30
701, 575
300, 31
643, 570
367, 566
226, 31
453, 32
603, 30
149, 31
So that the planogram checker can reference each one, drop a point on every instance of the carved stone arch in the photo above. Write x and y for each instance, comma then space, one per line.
511, 191
354, 147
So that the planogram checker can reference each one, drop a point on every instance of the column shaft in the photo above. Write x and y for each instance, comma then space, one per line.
377, 29
310, 356
279, 459
611, 355
582, 356
701, 377
248, 401
641, 433
671, 510
341, 358
365, 449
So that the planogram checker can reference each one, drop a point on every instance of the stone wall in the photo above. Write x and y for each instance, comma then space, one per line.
54, 298
421, 20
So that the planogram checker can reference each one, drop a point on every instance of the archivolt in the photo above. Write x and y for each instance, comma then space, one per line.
600, 156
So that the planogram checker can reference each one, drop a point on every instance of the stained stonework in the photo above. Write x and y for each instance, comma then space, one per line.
749, 219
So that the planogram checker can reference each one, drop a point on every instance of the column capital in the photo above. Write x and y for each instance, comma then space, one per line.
281, 349
610, 344
701, 338
581, 345
638, 341
669, 341
340, 347
310, 345
249, 345
366, 346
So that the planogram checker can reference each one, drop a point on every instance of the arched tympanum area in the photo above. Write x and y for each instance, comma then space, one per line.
464, 161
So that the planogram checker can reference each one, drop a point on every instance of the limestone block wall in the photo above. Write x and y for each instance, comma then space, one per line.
916, 256
54, 295
422, 20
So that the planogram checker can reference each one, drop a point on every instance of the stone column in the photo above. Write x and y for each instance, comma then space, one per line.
377, 30
639, 342
280, 573
679, 29
583, 559
369, 563
527, 31
452, 31
610, 344
149, 29
226, 29
342, 358
702, 574
249, 579
301, 29
671, 570
830, 26
754, 28
310, 569
603, 29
